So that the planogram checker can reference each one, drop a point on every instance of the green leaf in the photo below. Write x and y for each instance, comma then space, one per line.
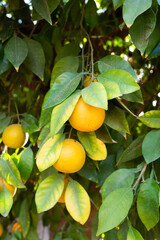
62, 112
62, 66
35, 60
26, 162
42, 8
115, 62
10, 173
32, 234
154, 38
6, 201
77, 202
116, 119
134, 97
48, 192
88, 171
44, 135
104, 135
142, 29
133, 234
117, 3
121, 178
4, 63
64, 85
117, 83
91, 14
148, 203
45, 117
98, 90
45, 8
4, 122
24, 218
134, 150
49, 153
155, 52
106, 168
95, 150
114, 209
151, 118
29, 123
16, 51
132, 9
150, 146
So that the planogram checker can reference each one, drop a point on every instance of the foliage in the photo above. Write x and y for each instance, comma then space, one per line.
47, 49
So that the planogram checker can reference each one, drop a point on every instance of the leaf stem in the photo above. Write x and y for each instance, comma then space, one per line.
140, 176
119, 100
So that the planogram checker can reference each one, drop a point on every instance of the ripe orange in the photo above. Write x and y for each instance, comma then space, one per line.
86, 118
16, 227
62, 197
10, 188
13, 136
1, 229
88, 80
72, 157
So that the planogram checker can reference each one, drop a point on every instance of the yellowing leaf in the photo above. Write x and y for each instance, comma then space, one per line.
49, 153
49, 191
100, 152
94, 147
77, 202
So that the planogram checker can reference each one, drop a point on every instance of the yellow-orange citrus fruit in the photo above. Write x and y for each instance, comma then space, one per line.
62, 197
10, 188
13, 136
16, 227
101, 152
72, 157
86, 118
88, 80
1, 229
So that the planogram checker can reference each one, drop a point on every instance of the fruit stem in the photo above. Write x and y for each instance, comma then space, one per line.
70, 132
140, 176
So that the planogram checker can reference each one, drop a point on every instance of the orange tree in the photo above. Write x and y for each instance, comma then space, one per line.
79, 119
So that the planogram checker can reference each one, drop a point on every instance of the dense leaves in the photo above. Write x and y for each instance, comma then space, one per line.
47, 50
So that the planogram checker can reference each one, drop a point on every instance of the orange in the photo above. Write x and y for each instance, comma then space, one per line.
88, 80
16, 227
62, 197
13, 136
86, 118
10, 188
1, 229
72, 157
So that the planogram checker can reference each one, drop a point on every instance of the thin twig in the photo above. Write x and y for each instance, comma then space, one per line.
9, 104
91, 47
140, 176
33, 30
16, 110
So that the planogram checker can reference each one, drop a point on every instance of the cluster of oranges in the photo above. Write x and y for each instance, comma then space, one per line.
85, 118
